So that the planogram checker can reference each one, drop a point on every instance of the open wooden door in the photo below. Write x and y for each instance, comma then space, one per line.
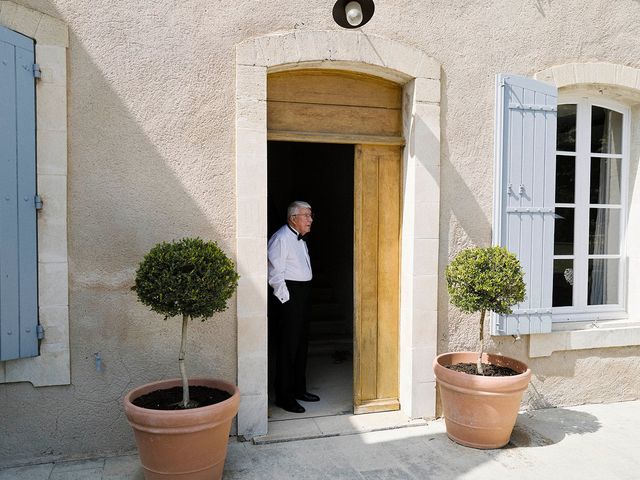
333, 106
377, 277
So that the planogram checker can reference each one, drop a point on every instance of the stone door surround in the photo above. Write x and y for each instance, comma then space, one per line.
419, 76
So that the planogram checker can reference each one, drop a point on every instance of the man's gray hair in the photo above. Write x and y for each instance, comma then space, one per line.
294, 207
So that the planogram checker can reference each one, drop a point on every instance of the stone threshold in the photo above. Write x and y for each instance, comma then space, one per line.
334, 425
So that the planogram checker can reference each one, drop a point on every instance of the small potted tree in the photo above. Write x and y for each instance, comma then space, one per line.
182, 426
480, 393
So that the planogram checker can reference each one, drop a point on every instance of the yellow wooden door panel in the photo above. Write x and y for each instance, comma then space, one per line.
388, 270
333, 87
321, 103
377, 245
307, 117
367, 240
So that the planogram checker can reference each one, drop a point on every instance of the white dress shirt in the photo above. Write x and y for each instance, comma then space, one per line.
288, 260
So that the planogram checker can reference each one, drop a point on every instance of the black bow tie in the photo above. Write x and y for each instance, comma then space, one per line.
299, 235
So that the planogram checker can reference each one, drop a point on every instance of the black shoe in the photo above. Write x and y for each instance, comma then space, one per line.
307, 397
291, 406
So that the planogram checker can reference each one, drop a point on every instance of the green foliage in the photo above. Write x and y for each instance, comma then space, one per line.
480, 279
187, 277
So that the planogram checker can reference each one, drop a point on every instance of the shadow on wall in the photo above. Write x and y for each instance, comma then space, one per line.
147, 163
459, 205
463, 222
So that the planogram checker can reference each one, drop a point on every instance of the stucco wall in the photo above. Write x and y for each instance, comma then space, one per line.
151, 148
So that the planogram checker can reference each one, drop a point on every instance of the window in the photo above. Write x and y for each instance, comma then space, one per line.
561, 203
590, 208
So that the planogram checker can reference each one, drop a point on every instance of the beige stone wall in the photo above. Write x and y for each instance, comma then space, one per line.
151, 143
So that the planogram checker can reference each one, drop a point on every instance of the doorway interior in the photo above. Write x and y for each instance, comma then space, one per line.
321, 174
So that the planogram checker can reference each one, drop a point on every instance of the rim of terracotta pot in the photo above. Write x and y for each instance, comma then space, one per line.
177, 382
479, 381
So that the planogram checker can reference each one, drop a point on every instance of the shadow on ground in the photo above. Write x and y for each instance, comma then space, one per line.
535, 430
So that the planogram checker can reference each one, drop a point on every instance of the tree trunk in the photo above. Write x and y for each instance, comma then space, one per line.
183, 370
479, 365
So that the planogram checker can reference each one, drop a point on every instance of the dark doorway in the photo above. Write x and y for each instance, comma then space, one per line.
322, 175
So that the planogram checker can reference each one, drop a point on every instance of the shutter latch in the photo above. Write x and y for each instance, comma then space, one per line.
37, 73
38, 202
40, 331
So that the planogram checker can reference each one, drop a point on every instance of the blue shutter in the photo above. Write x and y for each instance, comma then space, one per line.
18, 236
524, 201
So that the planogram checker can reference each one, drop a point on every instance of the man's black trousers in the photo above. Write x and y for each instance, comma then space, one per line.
292, 341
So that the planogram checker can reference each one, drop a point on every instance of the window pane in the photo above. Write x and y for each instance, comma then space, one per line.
603, 281
566, 129
565, 179
562, 283
604, 231
606, 130
563, 232
605, 180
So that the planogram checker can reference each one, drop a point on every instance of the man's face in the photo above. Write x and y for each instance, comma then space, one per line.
302, 221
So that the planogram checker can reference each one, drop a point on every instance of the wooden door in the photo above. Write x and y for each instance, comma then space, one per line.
376, 277
335, 106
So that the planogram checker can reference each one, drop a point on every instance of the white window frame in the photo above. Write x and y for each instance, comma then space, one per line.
580, 311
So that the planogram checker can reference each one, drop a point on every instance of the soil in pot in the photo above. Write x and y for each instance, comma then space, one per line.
171, 398
489, 369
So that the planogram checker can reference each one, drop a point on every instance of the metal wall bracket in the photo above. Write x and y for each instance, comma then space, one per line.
38, 202
40, 332
37, 73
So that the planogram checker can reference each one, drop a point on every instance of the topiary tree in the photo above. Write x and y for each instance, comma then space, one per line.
189, 277
481, 279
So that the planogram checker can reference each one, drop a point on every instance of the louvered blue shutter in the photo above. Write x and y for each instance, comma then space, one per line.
18, 237
525, 164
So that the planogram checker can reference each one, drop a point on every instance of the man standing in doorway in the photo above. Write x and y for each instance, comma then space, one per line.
290, 277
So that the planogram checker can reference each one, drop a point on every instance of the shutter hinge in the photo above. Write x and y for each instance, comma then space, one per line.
537, 108
37, 73
40, 332
38, 202
533, 311
530, 210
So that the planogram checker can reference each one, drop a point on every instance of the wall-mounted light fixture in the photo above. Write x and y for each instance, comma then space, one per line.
353, 13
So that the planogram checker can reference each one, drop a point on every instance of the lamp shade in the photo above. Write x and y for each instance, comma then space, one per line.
340, 14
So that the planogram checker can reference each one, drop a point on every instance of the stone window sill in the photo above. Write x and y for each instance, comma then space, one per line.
585, 335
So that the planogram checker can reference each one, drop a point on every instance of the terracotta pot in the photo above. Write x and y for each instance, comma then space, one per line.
479, 411
183, 444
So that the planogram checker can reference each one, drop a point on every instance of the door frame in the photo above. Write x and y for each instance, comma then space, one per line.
419, 76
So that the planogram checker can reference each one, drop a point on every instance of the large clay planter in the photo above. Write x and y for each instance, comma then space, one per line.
479, 411
183, 444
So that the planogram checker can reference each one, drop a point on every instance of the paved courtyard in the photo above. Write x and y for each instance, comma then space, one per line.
587, 442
